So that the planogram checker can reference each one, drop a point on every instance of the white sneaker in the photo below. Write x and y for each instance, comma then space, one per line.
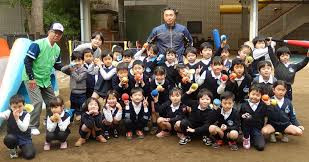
13, 153
35, 132
272, 138
285, 138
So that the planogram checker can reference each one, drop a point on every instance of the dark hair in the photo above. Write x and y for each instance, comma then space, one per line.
282, 50
137, 89
191, 50
160, 70
258, 39
113, 93
154, 48
170, 50
87, 50
170, 8
127, 53
257, 87
226, 48
85, 105
98, 33
204, 92
227, 95
180, 66
217, 60
77, 55
17, 99
122, 66
206, 45
262, 64
106, 53
56, 101
280, 82
175, 90
238, 61
118, 49
138, 62
245, 46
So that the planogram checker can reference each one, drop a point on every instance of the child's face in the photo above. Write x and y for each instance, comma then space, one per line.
183, 72
137, 97
56, 109
159, 77
227, 104
111, 101
191, 57
217, 68
175, 98
170, 57
284, 58
239, 70
17, 107
260, 44
107, 61
79, 62
279, 91
204, 101
88, 58
150, 53
138, 69
127, 59
225, 54
266, 71
122, 73
206, 53
255, 96
244, 53
93, 106
116, 56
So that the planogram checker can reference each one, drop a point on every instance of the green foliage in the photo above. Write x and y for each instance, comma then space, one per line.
25, 3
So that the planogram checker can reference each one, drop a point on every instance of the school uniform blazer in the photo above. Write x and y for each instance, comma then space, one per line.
119, 89
289, 111
232, 122
171, 74
163, 96
129, 113
165, 111
257, 119
241, 91
90, 121
146, 88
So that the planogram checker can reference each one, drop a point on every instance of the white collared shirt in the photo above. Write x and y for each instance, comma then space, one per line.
168, 64
206, 61
214, 76
279, 101
175, 108
22, 125
157, 83
51, 126
287, 65
239, 80
137, 108
226, 114
270, 80
253, 105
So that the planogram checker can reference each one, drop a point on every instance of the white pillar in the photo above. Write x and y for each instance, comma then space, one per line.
253, 32
85, 20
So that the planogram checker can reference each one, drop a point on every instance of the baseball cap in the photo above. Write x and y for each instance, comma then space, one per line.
57, 26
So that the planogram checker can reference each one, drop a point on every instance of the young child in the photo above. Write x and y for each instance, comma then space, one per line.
284, 70
113, 113
191, 55
170, 112
120, 81
106, 72
244, 53
92, 71
170, 66
138, 78
200, 118
78, 77
117, 54
281, 117
225, 58
136, 114
57, 125
206, 52
228, 123
18, 132
184, 79
127, 57
265, 77
91, 122
253, 113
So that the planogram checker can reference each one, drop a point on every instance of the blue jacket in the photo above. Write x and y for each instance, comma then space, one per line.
171, 37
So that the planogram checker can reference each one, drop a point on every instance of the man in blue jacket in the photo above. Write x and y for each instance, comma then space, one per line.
171, 35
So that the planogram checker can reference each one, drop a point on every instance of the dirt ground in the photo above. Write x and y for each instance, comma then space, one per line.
168, 149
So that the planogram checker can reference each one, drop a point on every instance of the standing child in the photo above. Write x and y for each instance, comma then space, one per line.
191, 55
92, 71
136, 114
206, 52
127, 57
117, 54
170, 66
57, 124
18, 132
78, 77
91, 122
265, 77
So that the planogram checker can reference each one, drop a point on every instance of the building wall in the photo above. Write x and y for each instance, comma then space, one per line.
11, 19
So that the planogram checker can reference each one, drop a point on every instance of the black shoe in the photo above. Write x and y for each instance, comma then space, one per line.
207, 141
185, 140
106, 135
115, 133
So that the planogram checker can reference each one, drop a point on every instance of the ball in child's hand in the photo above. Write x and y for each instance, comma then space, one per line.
265, 97
154, 93
29, 108
249, 59
125, 97
138, 76
194, 86
224, 77
217, 102
273, 102
159, 87
125, 80
233, 76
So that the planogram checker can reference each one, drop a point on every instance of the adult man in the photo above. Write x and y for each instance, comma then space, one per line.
171, 35
43, 55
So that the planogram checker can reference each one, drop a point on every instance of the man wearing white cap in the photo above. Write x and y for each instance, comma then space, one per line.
43, 55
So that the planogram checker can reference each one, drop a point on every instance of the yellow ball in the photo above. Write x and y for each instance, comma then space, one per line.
194, 86
29, 108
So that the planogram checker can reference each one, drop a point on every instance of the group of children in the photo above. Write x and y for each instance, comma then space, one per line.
214, 98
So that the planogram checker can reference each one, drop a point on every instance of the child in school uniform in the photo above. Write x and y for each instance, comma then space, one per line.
57, 125
113, 113
91, 122
281, 116
136, 114
227, 128
245, 54
184, 78
117, 54
252, 115
170, 66
120, 81
18, 132
138, 78
284, 70
92, 71
225, 58
127, 57
191, 56
106, 72
170, 112
206, 50
78, 79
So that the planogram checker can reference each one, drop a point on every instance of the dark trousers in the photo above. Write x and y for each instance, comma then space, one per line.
256, 137
185, 123
60, 136
27, 150
77, 101
289, 93
133, 125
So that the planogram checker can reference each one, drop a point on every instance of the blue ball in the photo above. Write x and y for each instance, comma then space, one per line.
217, 102
154, 93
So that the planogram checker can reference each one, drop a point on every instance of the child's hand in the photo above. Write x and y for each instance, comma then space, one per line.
155, 99
301, 127
160, 88
56, 117
185, 79
223, 127
167, 119
126, 102
97, 62
145, 102
145, 46
191, 90
16, 115
186, 109
246, 116
198, 70
223, 43
95, 112
190, 130
118, 106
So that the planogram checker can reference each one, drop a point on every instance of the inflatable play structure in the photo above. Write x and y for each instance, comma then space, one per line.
11, 68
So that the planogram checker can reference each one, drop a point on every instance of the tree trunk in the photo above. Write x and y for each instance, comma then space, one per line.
36, 20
